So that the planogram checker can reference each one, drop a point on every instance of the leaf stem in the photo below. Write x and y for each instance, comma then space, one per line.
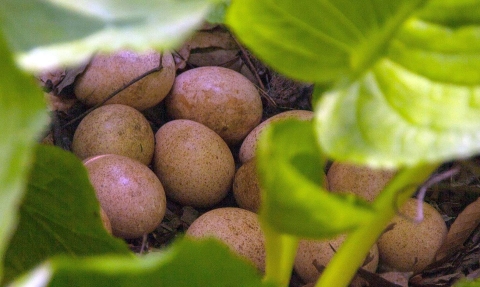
281, 250
351, 254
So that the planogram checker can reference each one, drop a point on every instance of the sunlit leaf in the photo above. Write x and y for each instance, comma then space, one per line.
293, 199
393, 117
23, 116
59, 215
49, 33
187, 263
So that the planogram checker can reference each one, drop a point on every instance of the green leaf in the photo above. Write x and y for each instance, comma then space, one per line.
217, 15
22, 116
187, 262
406, 87
442, 43
468, 283
393, 117
50, 33
318, 41
293, 199
59, 215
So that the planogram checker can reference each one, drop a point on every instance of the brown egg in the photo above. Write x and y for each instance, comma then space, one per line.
129, 192
360, 180
220, 98
193, 162
246, 188
108, 73
238, 228
322, 251
114, 129
409, 246
249, 144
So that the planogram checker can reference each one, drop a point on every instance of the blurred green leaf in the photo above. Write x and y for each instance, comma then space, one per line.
50, 33
318, 41
59, 215
291, 174
405, 75
468, 283
217, 15
23, 116
189, 263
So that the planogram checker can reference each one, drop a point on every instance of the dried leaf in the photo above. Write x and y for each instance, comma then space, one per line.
363, 278
50, 79
399, 278
209, 47
69, 78
212, 39
441, 280
374, 279
460, 230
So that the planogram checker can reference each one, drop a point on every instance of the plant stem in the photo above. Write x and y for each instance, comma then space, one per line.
281, 250
351, 254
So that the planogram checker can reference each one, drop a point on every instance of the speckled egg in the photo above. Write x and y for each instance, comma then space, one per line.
249, 144
114, 129
222, 99
194, 164
246, 188
322, 251
360, 180
238, 228
129, 192
108, 73
409, 246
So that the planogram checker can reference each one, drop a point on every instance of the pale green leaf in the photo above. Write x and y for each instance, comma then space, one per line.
318, 41
291, 174
50, 33
392, 117
59, 215
23, 116
187, 263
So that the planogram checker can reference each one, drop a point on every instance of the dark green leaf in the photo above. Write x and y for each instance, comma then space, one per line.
318, 41
23, 116
50, 33
59, 215
293, 199
188, 263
